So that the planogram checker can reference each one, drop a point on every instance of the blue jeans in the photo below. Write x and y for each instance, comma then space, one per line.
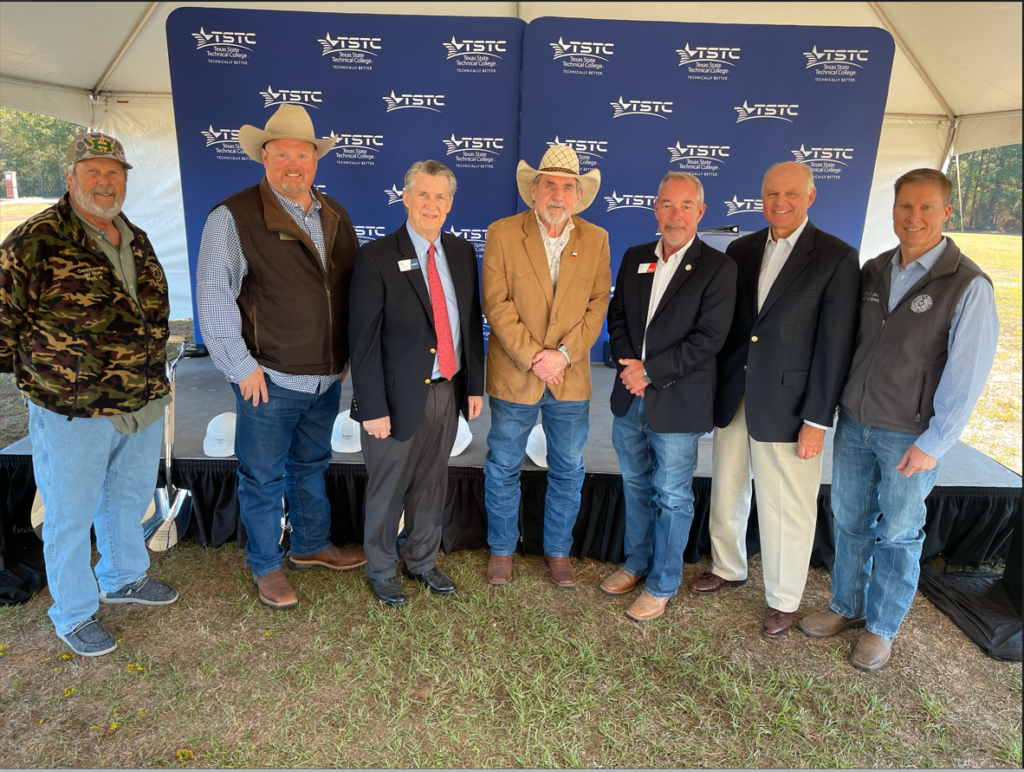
879, 525
284, 446
89, 474
657, 476
566, 425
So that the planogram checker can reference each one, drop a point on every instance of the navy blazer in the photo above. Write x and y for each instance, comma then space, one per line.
391, 331
791, 359
687, 330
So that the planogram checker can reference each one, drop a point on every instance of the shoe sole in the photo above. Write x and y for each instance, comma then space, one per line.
392, 603
138, 601
871, 669
86, 653
738, 583
644, 619
271, 604
775, 635
314, 563
851, 624
498, 582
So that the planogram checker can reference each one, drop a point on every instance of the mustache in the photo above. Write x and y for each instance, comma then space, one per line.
104, 191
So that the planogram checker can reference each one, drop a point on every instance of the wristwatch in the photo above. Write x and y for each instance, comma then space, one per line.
647, 378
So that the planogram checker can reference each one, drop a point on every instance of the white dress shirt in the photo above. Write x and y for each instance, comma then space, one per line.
663, 272
776, 253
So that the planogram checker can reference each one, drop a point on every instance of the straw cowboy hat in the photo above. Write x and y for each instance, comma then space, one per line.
289, 122
559, 161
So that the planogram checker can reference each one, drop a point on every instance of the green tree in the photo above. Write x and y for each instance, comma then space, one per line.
989, 190
33, 146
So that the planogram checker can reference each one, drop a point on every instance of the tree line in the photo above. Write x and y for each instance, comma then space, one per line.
33, 146
990, 190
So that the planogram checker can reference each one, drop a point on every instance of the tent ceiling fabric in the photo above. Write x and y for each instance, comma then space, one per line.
970, 50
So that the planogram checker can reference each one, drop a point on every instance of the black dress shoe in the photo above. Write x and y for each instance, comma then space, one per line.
435, 581
388, 591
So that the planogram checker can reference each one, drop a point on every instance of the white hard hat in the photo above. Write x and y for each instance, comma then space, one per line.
345, 436
220, 436
537, 446
462, 439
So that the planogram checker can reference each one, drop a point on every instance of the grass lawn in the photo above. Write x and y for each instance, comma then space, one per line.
521, 676
527, 675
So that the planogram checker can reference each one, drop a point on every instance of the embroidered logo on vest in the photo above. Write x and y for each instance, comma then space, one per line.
921, 303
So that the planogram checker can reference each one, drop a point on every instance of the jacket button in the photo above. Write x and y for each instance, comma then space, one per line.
433, 351
744, 367
753, 339
427, 381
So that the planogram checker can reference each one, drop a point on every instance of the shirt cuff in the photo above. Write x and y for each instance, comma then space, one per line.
816, 426
932, 445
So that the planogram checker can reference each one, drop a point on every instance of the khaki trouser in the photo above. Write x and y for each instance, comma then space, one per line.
787, 506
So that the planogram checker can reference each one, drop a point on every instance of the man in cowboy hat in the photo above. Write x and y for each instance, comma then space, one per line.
546, 284
83, 325
272, 288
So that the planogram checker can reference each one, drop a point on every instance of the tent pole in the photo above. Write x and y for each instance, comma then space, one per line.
124, 48
959, 193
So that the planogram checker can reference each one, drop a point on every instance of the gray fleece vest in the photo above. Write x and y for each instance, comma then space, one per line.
900, 355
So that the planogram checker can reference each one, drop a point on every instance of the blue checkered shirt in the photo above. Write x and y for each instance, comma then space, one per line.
219, 275
973, 337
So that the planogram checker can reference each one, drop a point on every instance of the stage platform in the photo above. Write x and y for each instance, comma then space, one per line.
970, 511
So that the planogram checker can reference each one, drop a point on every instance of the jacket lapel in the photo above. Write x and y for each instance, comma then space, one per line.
567, 266
681, 275
407, 251
644, 287
754, 258
533, 243
795, 263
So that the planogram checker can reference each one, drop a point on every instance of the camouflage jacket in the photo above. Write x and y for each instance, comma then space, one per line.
75, 340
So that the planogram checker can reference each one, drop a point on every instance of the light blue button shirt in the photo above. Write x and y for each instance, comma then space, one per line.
421, 245
973, 337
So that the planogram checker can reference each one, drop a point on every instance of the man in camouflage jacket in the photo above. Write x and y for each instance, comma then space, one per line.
83, 324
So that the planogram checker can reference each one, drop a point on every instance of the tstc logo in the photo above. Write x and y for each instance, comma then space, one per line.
286, 96
777, 111
206, 39
368, 233
370, 142
651, 107
342, 44
394, 195
418, 101
717, 54
595, 49
470, 234
479, 144
630, 201
836, 155
742, 206
220, 136
681, 152
592, 147
855, 57
489, 48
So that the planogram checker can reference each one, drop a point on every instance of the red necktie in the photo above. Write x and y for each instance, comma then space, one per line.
445, 348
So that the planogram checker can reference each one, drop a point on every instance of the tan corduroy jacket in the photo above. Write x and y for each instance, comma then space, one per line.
527, 317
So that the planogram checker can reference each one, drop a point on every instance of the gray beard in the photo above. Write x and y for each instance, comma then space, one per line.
89, 206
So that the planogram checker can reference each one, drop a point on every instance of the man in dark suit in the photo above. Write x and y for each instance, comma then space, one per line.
780, 374
416, 337
669, 317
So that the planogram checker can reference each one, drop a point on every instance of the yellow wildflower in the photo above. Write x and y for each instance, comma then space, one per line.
184, 754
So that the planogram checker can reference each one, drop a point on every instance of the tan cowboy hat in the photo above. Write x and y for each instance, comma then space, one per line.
559, 161
289, 122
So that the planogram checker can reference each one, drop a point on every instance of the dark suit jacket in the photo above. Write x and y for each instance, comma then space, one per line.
687, 330
792, 358
391, 331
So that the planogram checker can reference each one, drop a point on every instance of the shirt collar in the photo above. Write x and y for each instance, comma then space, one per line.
793, 237
296, 209
927, 260
99, 232
420, 244
678, 254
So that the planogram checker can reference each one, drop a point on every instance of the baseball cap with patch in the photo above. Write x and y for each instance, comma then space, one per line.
92, 144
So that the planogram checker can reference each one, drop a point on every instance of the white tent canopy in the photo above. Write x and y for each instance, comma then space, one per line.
956, 82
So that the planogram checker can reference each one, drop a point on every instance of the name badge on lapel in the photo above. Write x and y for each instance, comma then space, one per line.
647, 267
287, 236
408, 265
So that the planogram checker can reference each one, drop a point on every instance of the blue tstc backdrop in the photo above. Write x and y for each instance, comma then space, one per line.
394, 89
634, 99
723, 102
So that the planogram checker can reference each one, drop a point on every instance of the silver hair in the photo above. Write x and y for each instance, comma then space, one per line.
805, 167
71, 169
431, 169
683, 177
